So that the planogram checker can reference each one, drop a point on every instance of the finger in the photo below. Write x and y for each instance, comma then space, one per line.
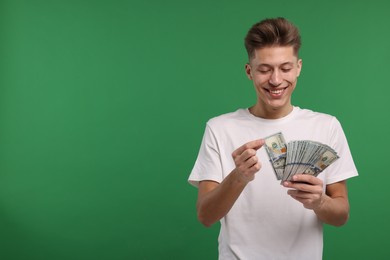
256, 167
252, 169
310, 179
252, 161
256, 144
247, 154
250, 165
303, 187
300, 194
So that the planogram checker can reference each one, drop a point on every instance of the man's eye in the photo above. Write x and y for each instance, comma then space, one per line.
286, 69
264, 71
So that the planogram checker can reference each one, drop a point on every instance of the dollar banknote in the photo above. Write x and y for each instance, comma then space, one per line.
326, 159
298, 157
277, 151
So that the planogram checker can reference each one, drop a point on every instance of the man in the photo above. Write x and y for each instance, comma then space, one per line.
261, 219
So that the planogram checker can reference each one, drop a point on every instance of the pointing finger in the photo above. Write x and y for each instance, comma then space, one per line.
256, 144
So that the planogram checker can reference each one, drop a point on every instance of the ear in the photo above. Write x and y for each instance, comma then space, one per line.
248, 71
299, 67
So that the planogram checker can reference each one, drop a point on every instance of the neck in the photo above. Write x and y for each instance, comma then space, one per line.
271, 113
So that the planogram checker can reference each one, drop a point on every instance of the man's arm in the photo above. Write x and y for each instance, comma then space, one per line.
216, 199
331, 208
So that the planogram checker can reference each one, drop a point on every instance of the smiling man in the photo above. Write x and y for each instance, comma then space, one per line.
274, 71
261, 219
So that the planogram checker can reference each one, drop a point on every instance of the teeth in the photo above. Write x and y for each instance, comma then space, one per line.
276, 91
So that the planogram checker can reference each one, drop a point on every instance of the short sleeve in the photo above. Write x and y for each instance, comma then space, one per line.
208, 163
344, 168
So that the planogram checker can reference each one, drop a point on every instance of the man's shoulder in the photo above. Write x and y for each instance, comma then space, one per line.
305, 113
228, 118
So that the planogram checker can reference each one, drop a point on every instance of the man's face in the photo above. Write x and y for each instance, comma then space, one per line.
274, 72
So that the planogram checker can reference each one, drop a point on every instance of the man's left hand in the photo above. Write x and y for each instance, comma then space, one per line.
306, 189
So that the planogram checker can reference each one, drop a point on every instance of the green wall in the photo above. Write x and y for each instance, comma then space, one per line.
103, 106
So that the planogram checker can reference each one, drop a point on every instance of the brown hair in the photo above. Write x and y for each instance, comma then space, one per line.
272, 32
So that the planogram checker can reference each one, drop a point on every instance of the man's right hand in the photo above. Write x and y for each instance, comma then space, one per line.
246, 161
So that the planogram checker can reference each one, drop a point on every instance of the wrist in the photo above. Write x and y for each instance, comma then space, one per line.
239, 178
322, 202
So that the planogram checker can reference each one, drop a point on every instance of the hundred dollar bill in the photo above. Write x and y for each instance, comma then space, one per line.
276, 148
324, 160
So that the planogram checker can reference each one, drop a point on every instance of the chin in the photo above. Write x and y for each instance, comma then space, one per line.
277, 105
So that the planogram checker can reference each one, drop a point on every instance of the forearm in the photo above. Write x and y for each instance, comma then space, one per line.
333, 211
215, 200
214, 204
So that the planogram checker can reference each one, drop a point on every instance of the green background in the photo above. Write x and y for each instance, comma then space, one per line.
103, 106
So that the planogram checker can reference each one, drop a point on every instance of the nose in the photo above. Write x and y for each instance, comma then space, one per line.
275, 79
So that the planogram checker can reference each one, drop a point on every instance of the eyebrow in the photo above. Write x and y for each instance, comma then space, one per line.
283, 64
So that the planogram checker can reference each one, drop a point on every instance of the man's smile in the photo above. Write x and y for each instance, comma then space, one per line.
275, 93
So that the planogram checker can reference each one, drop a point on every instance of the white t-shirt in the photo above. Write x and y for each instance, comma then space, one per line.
265, 222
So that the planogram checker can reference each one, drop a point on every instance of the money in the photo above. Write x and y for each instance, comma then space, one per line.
327, 158
298, 157
277, 151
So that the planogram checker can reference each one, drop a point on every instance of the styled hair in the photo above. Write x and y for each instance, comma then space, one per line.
272, 32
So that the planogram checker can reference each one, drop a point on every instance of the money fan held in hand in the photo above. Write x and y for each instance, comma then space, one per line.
298, 157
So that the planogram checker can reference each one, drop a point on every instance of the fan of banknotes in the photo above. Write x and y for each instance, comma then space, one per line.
298, 157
